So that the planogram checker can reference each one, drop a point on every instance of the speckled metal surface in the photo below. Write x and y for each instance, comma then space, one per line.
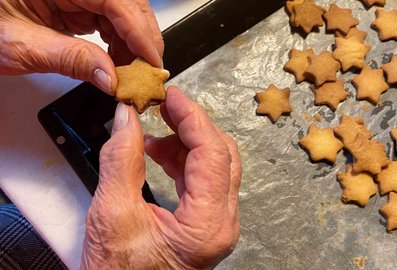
291, 213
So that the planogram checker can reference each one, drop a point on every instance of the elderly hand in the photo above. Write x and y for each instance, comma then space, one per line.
125, 232
36, 36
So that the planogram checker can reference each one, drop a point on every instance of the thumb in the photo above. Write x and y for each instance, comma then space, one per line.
47, 51
122, 165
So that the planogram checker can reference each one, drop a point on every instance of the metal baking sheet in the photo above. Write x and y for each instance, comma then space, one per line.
291, 213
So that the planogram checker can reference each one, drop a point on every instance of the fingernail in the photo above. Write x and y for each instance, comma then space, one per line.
102, 79
120, 118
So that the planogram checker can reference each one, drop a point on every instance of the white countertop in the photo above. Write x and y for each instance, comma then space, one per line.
33, 173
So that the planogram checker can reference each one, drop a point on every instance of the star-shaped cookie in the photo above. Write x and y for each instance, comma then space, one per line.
357, 187
308, 15
385, 24
389, 210
297, 63
370, 84
369, 155
321, 144
387, 178
353, 33
390, 70
349, 128
339, 19
273, 102
141, 85
370, 3
322, 68
289, 7
331, 94
350, 52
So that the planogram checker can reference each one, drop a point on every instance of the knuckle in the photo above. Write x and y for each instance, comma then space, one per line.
74, 60
116, 147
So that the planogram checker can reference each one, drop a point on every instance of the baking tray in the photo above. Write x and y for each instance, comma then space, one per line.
76, 121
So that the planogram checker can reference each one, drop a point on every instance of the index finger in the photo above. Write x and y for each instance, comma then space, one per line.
130, 24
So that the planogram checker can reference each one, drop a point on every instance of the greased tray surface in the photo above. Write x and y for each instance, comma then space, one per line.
291, 213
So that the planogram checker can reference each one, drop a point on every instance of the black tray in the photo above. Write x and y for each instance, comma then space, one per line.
75, 122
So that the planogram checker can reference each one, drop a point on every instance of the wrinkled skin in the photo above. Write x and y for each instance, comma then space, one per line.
36, 36
125, 232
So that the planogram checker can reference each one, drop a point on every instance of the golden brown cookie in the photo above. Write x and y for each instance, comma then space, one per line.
273, 102
308, 15
331, 94
370, 84
297, 63
353, 33
393, 134
349, 128
339, 19
289, 7
322, 68
389, 210
357, 187
369, 155
321, 144
370, 3
387, 178
390, 70
350, 52
385, 24
141, 85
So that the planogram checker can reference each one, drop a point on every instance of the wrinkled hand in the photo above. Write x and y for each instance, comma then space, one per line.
125, 232
36, 36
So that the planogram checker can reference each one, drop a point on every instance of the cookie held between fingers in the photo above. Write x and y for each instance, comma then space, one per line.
357, 187
331, 94
141, 85
322, 68
387, 178
385, 24
273, 102
390, 70
369, 155
389, 210
339, 19
321, 144
297, 63
349, 128
307, 15
370, 84
350, 52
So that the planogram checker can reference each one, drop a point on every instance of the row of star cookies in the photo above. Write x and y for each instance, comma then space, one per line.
306, 15
322, 69
370, 161
350, 52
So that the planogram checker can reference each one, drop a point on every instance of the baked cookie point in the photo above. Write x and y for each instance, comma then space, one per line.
141, 85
